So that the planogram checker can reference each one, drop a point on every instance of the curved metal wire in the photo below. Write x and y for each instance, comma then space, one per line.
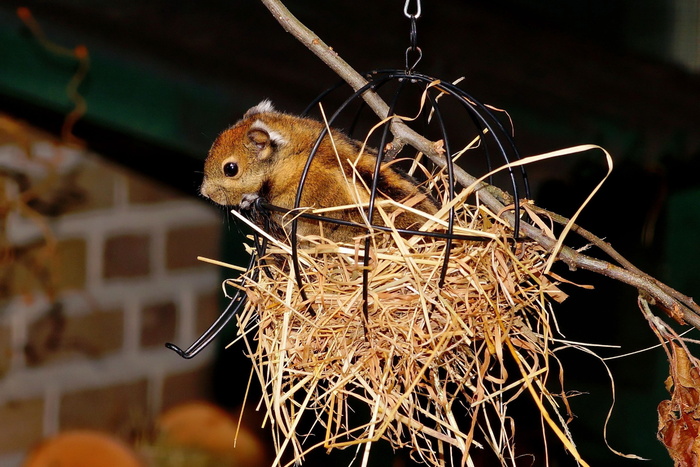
235, 305
495, 142
450, 193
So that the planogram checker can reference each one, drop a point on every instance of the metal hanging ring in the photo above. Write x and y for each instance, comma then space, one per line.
409, 69
413, 48
414, 15
414, 34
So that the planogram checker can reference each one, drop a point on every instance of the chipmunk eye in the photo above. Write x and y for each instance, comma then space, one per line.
230, 169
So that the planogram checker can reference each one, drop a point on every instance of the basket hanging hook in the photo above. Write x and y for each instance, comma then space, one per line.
414, 15
413, 49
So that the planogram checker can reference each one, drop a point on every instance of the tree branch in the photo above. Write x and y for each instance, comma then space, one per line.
680, 307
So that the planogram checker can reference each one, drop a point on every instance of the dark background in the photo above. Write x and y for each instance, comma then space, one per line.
166, 77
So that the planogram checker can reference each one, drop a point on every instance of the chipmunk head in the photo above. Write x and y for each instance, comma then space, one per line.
293, 161
239, 162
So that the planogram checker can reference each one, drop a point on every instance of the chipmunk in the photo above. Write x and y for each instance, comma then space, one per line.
264, 154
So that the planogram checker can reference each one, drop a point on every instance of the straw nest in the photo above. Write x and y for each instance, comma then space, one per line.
430, 366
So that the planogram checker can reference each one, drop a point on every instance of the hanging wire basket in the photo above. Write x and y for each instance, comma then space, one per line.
403, 335
486, 140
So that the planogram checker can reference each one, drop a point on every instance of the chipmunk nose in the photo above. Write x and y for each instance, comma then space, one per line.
215, 193
205, 189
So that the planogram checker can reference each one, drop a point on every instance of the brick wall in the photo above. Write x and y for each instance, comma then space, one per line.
98, 270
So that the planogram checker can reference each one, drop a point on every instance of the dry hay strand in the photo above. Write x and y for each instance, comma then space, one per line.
430, 367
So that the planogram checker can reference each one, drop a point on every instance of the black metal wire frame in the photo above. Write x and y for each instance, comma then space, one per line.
490, 129
236, 304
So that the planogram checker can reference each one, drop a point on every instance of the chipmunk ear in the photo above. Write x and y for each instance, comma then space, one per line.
263, 140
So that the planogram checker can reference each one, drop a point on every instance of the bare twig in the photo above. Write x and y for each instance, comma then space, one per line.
675, 304
608, 249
